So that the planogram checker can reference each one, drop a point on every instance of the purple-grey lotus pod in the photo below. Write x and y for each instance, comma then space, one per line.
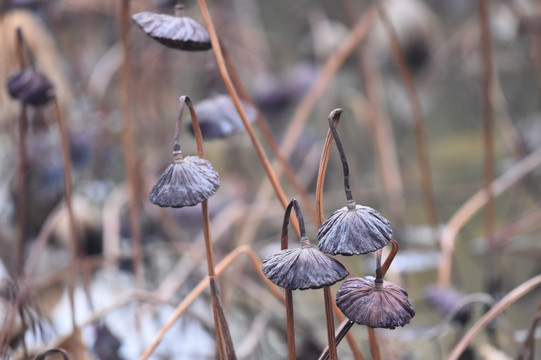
176, 32
30, 87
354, 230
378, 304
303, 268
187, 182
219, 118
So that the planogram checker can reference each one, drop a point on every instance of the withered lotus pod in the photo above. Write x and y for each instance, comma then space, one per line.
302, 268
378, 304
176, 32
354, 230
187, 182
31, 87
219, 118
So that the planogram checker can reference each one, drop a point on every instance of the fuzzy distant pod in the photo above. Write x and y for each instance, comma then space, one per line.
303, 268
354, 230
219, 118
378, 305
186, 182
30, 87
176, 32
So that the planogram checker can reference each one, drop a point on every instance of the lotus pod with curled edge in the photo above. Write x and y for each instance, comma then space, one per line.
377, 304
176, 32
187, 182
30, 87
303, 268
354, 230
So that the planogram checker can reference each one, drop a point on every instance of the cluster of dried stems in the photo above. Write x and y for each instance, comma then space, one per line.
390, 175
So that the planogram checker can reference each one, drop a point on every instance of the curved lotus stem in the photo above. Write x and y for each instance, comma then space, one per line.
340, 147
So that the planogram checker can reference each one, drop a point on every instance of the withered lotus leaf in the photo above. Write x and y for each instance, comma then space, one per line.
219, 118
30, 87
354, 230
176, 32
378, 305
186, 182
303, 268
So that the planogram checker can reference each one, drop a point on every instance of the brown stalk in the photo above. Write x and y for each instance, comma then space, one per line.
474, 204
380, 127
269, 138
346, 324
216, 48
21, 200
128, 147
500, 306
488, 141
189, 299
78, 352
324, 161
223, 336
417, 114
331, 66
384, 142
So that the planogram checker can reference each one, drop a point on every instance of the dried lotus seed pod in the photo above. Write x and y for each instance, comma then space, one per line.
303, 268
354, 230
378, 304
187, 182
176, 32
30, 87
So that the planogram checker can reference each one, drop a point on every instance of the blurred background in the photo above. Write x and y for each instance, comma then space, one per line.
281, 51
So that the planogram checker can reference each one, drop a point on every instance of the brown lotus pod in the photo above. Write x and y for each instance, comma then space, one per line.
378, 304
353, 230
219, 118
303, 268
176, 32
30, 87
187, 182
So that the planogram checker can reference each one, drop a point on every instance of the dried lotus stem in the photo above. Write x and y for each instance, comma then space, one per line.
288, 293
223, 336
335, 117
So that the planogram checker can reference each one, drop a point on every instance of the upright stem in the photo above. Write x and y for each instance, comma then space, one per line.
216, 48
417, 114
78, 354
127, 145
223, 336
21, 201
488, 138
335, 117
342, 153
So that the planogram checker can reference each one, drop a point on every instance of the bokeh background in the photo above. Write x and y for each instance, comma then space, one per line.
280, 50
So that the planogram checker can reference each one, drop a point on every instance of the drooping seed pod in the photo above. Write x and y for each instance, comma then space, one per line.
302, 268
446, 300
219, 118
188, 181
176, 32
354, 230
378, 304
30, 87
